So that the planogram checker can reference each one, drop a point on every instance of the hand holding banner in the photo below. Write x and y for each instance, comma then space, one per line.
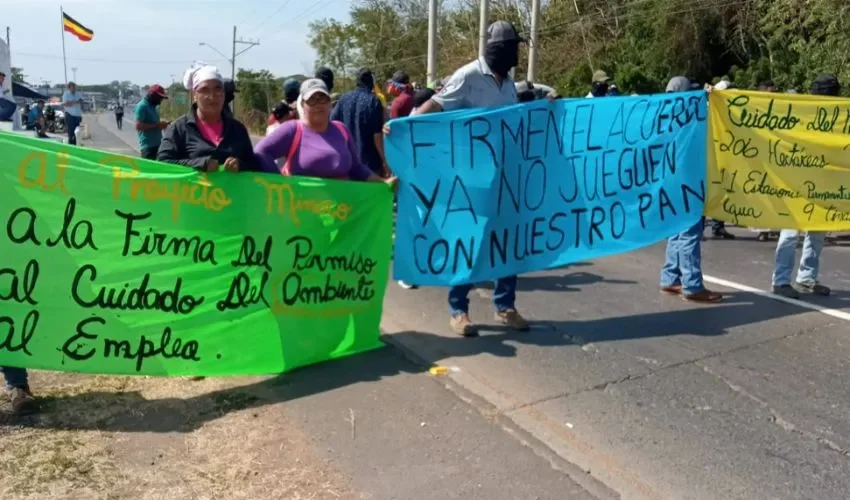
118, 265
486, 194
779, 161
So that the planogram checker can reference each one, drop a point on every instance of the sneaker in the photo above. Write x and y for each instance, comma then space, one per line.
787, 291
23, 402
462, 325
814, 288
512, 319
672, 289
407, 286
704, 297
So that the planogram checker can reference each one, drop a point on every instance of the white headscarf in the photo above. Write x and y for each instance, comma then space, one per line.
198, 73
187, 76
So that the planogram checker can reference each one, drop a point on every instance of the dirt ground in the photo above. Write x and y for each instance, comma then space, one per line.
102, 437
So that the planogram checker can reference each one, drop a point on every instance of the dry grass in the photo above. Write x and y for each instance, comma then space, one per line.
158, 438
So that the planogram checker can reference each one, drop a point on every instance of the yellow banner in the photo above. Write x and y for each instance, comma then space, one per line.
779, 161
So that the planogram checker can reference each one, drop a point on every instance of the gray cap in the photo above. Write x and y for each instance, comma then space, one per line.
313, 86
502, 31
679, 84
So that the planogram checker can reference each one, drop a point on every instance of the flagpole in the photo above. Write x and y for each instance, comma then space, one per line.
64, 60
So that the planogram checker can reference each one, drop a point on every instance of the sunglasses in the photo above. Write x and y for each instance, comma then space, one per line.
318, 98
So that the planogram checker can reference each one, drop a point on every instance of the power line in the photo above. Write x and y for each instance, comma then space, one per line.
271, 16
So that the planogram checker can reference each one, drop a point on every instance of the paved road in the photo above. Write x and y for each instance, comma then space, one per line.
655, 397
398, 433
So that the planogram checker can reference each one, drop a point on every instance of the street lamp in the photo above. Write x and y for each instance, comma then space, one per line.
204, 44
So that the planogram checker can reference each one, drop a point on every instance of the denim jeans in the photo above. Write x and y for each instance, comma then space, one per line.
504, 296
15, 377
783, 267
71, 123
7, 109
683, 261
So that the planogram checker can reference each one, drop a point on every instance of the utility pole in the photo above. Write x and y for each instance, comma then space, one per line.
484, 13
239, 41
8, 37
532, 40
432, 43
74, 71
249, 44
233, 58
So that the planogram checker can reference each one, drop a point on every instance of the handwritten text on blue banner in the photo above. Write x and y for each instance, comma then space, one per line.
488, 194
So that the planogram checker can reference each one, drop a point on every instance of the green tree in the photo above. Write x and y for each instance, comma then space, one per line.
18, 74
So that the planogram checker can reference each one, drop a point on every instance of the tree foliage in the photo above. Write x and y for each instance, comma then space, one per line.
642, 43
18, 74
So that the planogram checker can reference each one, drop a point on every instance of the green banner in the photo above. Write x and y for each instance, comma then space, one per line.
120, 265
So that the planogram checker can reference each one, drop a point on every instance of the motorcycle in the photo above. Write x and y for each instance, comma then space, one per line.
53, 125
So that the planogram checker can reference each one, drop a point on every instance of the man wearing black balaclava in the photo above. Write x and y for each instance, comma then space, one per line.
363, 115
484, 83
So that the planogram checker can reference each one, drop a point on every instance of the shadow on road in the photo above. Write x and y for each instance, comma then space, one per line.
131, 412
701, 320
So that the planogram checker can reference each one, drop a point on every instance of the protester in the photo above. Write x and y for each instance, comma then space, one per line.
72, 101
362, 114
807, 274
483, 83
421, 96
402, 92
148, 125
35, 119
600, 84
285, 110
119, 116
326, 75
18, 391
682, 271
7, 102
229, 95
314, 145
206, 138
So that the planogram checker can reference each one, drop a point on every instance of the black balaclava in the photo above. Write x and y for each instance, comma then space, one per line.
365, 80
599, 89
502, 56
326, 75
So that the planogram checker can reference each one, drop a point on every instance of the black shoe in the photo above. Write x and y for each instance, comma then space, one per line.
724, 234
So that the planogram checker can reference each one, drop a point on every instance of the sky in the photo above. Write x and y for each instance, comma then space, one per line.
154, 41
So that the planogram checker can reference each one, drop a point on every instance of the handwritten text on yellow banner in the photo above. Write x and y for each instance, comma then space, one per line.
779, 161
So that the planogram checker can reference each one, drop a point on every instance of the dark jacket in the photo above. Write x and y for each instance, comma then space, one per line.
182, 143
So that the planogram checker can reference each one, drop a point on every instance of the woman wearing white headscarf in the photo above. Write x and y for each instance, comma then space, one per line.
206, 138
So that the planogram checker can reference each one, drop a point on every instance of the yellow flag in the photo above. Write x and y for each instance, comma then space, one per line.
381, 96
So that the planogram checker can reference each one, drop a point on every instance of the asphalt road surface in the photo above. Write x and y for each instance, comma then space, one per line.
656, 397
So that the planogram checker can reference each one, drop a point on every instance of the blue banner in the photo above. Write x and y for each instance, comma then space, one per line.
491, 193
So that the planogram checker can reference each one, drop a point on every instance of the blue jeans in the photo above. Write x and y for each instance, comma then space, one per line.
504, 296
683, 261
783, 267
15, 377
71, 123
7, 109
